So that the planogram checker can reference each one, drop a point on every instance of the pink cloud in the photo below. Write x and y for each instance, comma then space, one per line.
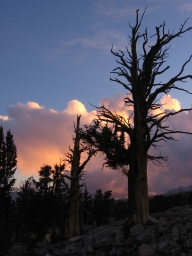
42, 136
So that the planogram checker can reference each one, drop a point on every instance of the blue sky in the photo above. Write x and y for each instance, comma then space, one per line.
53, 52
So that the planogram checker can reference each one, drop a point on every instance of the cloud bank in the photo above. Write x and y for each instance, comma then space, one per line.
42, 136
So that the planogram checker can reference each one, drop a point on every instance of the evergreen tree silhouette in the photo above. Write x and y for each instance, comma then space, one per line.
8, 165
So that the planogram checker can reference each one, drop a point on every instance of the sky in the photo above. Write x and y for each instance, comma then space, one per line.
55, 63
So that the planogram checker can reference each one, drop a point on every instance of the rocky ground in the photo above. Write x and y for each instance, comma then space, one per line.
168, 233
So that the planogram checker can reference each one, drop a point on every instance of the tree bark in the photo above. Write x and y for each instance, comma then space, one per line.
138, 191
74, 211
137, 176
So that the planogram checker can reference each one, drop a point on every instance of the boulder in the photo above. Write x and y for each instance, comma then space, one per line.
162, 247
136, 230
90, 250
189, 244
189, 226
164, 227
175, 234
146, 250
119, 235
149, 235
74, 239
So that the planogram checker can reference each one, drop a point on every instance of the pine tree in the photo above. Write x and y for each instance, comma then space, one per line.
45, 179
8, 163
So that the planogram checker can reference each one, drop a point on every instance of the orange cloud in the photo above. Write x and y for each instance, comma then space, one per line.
42, 136
170, 103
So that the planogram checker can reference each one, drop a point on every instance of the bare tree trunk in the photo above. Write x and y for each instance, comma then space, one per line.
138, 192
74, 211
137, 177
76, 169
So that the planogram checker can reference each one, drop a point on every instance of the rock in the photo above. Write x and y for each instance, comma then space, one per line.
104, 240
113, 251
33, 236
139, 238
119, 251
146, 250
110, 241
156, 215
154, 246
72, 249
176, 209
120, 222
172, 244
97, 243
164, 227
175, 234
162, 246
189, 244
170, 235
84, 250
152, 220
74, 239
104, 233
90, 250
19, 248
111, 221
113, 232
119, 235
149, 236
88, 241
183, 231
136, 230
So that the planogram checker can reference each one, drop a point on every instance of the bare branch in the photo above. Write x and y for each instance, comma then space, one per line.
170, 83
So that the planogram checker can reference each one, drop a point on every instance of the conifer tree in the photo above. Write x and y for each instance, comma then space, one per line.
8, 163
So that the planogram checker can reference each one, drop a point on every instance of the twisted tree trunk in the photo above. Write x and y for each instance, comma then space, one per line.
138, 190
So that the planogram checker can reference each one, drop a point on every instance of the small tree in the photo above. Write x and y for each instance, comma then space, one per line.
87, 205
102, 206
43, 203
144, 128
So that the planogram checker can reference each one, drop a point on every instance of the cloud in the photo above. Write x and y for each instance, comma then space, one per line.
112, 9
42, 135
185, 7
170, 103
4, 118
118, 10
102, 40
73, 105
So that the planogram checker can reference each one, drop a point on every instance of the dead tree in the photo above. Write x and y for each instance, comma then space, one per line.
138, 75
76, 174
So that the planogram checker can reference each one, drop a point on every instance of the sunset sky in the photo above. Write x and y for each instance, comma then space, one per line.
55, 60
